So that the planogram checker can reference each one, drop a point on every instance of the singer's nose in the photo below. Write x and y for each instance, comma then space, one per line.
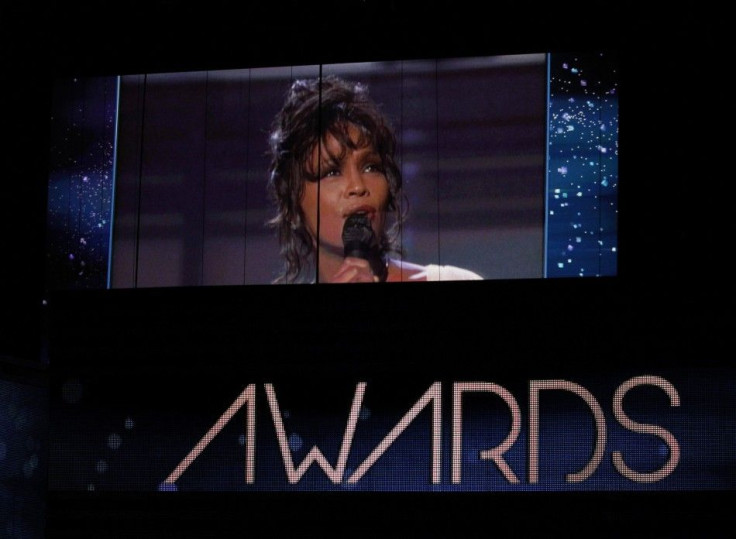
356, 186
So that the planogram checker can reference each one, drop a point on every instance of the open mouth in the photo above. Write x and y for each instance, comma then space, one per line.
368, 211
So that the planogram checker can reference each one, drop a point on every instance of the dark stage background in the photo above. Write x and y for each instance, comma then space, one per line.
668, 310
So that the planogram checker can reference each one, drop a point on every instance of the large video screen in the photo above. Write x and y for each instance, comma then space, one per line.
471, 168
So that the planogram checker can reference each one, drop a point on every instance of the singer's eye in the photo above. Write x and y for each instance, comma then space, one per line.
374, 167
330, 172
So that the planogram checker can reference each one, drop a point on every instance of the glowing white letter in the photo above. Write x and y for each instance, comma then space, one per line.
434, 393
248, 397
295, 474
642, 428
600, 422
495, 454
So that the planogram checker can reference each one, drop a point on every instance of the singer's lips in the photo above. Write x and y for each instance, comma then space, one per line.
370, 211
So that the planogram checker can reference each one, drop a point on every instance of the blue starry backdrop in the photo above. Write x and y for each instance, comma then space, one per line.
81, 182
582, 173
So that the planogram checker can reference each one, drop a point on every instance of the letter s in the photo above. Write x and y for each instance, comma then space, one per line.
644, 428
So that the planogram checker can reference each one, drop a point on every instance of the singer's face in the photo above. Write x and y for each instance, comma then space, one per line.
350, 181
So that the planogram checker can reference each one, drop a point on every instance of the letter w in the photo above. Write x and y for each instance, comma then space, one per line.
294, 474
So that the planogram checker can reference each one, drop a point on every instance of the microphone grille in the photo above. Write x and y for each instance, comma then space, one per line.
357, 232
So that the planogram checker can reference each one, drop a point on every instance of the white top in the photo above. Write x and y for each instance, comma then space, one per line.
433, 272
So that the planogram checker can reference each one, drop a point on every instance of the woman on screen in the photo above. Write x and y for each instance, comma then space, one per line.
337, 188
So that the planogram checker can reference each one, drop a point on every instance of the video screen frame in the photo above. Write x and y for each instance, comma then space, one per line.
509, 167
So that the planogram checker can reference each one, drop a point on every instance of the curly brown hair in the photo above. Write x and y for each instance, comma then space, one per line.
313, 110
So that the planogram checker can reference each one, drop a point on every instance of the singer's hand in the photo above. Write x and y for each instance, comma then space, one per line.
354, 270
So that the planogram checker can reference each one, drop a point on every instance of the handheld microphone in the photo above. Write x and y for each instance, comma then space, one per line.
358, 241
357, 236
